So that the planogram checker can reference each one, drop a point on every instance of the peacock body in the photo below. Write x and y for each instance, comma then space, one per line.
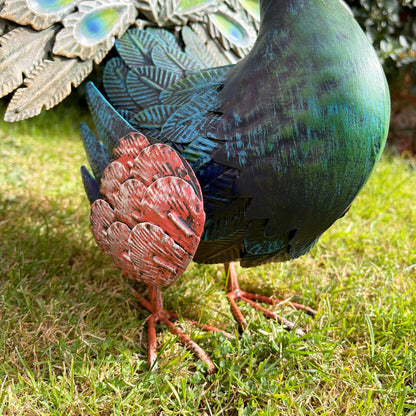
280, 143
235, 130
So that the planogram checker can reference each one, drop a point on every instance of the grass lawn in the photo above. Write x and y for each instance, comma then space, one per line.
73, 339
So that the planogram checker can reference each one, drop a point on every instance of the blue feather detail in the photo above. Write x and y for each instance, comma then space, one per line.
173, 60
114, 79
111, 126
189, 123
90, 185
257, 243
196, 86
154, 117
97, 157
199, 151
135, 46
163, 37
146, 83
127, 115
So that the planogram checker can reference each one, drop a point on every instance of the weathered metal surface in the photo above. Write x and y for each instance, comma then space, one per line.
159, 314
90, 32
151, 216
226, 28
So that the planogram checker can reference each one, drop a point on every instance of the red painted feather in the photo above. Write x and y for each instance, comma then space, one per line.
151, 216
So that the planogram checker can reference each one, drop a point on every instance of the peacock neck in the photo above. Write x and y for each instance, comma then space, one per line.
274, 12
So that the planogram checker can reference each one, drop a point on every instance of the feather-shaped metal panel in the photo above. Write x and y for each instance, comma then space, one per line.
185, 126
128, 202
173, 60
232, 30
146, 83
158, 260
151, 216
177, 12
57, 75
200, 84
97, 157
252, 7
163, 37
152, 165
90, 185
135, 47
114, 80
118, 241
21, 50
109, 123
90, 33
197, 48
39, 14
102, 216
154, 117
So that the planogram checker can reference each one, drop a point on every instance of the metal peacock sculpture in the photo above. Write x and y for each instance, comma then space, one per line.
214, 145
246, 162
48, 46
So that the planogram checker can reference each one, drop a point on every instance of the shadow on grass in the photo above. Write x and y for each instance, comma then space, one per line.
60, 294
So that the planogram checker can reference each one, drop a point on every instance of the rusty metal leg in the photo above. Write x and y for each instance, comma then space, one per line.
152, 343
235, 294
158, 314
266, 299
185, 340
174, 317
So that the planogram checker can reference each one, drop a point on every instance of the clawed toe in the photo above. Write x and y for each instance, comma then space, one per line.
159, 315
235, 294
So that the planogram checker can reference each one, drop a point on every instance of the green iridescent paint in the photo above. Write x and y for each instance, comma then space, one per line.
187, 4
96, 26
252, 6
48, 5
230, 29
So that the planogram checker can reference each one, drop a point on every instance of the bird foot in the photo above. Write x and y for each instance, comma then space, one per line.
159, 315
235, 294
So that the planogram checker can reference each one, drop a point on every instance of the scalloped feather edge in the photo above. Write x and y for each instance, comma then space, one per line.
21, 51
67, 44
46, 86
150, 8
21, 12
172, 13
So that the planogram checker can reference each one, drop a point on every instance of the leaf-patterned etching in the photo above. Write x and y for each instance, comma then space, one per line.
21, 50
39, 14
217, 34
57, 75
179, 12
90, 32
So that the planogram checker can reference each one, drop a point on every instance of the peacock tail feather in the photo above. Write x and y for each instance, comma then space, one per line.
59, 40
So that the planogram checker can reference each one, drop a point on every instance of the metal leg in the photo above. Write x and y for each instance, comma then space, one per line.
158, 314
235, 294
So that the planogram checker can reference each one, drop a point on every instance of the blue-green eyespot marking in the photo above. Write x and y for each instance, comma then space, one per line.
231, 29
95, 26
48, 6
